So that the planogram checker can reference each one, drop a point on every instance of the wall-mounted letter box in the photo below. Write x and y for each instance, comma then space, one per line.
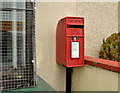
70, 42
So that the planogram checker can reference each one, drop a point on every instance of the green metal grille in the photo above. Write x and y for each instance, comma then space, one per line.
17, 44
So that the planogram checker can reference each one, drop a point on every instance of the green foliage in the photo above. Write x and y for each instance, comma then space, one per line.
110, 48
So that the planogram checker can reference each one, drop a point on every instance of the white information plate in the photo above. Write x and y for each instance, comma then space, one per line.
75, 49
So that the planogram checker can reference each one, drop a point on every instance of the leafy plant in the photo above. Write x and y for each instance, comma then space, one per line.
110, 49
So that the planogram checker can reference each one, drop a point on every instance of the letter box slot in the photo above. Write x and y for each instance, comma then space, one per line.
75, 26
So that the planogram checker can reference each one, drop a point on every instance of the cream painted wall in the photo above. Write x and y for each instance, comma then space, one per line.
101, 20
89, 78
47, 16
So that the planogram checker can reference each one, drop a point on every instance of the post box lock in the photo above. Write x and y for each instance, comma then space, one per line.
70, 42
75, 38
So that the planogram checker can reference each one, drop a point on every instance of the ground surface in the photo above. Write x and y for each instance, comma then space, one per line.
41, 86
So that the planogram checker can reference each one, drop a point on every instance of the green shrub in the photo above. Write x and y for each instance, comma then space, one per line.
110, 48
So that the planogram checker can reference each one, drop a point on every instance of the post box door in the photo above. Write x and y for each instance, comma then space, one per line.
75, 51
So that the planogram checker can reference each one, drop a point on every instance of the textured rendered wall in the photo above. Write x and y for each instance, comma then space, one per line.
47, 16
101, 20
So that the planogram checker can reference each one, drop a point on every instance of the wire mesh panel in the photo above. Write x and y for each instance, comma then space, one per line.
17, 44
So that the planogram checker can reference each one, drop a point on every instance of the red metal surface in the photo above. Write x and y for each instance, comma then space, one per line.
67, 29
103, 63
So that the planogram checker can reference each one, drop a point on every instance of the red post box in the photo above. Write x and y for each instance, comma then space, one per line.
70, 42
